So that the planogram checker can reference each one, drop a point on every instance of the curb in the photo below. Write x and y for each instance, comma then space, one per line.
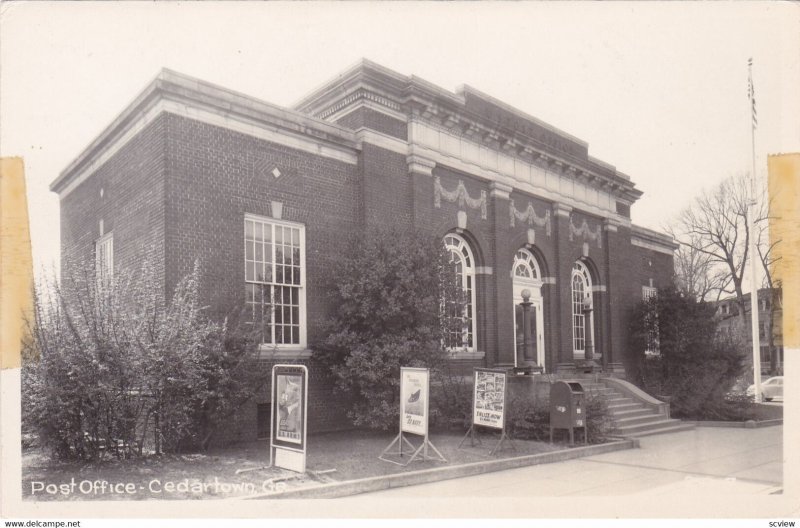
749, 424
424, 476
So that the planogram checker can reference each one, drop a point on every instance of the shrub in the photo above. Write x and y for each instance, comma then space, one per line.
114, 368
696, 367
388, 291
451, 402
530, 419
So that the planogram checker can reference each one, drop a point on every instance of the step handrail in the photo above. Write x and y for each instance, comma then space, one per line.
634, 392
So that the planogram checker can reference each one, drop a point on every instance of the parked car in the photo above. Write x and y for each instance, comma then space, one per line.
770, 388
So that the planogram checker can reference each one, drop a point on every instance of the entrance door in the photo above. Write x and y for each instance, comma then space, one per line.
528, 332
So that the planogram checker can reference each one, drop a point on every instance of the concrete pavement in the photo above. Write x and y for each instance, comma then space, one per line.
704, 460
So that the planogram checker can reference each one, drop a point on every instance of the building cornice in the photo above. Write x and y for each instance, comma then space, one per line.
177, 93
471, 113
653, 240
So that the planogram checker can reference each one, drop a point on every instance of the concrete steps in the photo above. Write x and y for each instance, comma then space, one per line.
632, 416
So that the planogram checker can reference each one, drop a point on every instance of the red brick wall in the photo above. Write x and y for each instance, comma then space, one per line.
132, 207
215, 176
386, 187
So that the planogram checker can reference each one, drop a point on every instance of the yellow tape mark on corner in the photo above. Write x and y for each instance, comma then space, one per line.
16, 262
784, 228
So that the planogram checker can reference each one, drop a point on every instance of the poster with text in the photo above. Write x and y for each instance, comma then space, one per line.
414, 400
289, 405
489, 398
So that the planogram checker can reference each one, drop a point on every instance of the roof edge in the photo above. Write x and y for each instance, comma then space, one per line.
173, 85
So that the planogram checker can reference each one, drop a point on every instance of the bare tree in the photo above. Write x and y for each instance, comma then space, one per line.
715, 228
696, 274
714, 239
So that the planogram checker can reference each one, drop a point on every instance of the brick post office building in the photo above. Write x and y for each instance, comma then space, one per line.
264, 196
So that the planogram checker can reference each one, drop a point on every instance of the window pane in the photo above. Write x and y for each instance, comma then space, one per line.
248, 230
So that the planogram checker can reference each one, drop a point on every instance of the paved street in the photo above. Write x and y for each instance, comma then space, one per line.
705, 460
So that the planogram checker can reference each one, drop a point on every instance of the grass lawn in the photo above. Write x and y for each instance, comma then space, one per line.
218, 473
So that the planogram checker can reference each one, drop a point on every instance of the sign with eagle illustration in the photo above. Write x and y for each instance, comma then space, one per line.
414, 400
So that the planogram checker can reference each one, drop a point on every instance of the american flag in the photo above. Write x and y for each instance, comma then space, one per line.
751, 92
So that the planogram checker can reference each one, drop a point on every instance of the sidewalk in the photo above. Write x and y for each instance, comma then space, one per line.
704, 460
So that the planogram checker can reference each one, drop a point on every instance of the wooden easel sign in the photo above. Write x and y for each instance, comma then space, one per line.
289, 417
489, 395
414, 407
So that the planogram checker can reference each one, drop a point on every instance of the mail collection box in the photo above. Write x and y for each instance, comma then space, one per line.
567, 408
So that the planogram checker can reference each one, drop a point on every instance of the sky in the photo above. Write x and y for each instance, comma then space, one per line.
658, 90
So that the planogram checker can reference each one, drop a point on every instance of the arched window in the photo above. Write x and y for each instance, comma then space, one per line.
525, 266
581, 292
460, 316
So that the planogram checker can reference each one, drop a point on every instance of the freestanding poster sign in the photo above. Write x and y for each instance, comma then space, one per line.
489, 395
289, 417
414, 400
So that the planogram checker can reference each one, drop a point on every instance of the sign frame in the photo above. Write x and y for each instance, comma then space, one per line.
504, 413
421, 452
289, 454
406, 373
472, 432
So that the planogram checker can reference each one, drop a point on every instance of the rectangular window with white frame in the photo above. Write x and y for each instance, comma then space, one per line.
275, 297
104, 257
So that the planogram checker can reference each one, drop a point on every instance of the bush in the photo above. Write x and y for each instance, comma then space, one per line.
388, 290
451, 402
696, 367
530, 419
113, 368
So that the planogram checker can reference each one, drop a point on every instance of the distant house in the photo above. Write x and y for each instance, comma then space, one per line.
770, 313
265, 196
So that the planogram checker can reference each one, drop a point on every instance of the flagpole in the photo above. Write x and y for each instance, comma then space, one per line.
754, 325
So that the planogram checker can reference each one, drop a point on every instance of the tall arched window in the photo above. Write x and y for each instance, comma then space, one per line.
581, 291
460, 324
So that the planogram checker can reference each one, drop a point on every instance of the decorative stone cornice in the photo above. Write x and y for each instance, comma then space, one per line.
529, 215
460, 195
610, 225
358, 95
470, 114
585, 232
500, 190
420, 165
562, 210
